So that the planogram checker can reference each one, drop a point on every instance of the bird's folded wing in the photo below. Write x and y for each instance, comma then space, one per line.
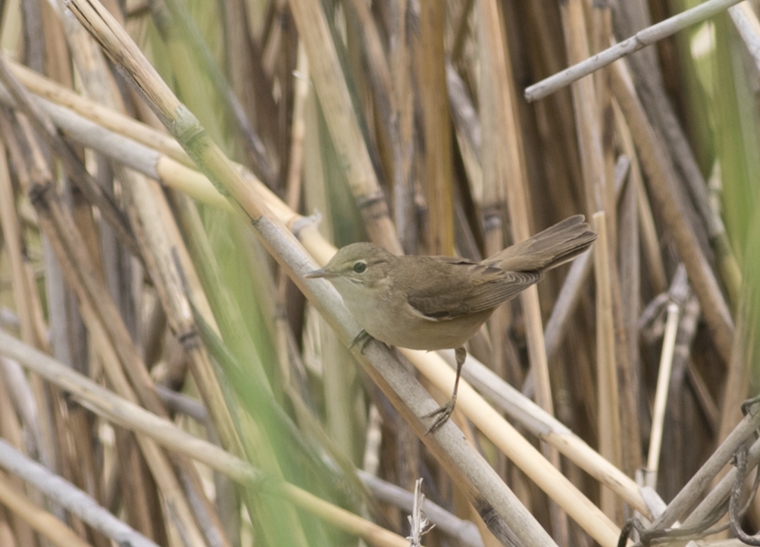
488, 287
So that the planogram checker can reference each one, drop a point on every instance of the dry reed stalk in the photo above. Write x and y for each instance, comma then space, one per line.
600, 37
740, 368
747, 24
555, 116
599, 192
403, 113
129, 127
127, 414
74, 499
106, 327
554, 172
659, 169
658, 106
640, 40
630, 298
434, 374
47, 425
504, 176
649, 239
6, 535
576, 279
159, 238
294, 182
680, 412
10, 427
431, 85
81, 276
497, 134
661, 395
538, 422
272, 36
478, 481
468, 132
522, 453
717, 497
462, 29
586, 108
12, 237
87, 184
336, 102
699, 482
369, 50
607, 379
44, 523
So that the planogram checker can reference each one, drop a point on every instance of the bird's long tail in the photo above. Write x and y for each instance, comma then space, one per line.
548, 249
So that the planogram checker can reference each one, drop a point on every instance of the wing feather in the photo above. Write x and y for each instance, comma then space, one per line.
488, 287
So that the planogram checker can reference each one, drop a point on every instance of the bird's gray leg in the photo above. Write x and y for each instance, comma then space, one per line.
361, 340
443, 413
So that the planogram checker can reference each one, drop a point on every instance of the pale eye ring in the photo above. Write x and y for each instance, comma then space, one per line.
360, 267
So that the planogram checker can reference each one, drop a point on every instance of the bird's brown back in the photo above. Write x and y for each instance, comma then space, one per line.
454, 287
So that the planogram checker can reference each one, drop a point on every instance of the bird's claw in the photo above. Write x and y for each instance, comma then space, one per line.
441, 415
361, 340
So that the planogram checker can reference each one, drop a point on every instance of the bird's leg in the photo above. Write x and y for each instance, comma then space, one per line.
361, 340
443, 413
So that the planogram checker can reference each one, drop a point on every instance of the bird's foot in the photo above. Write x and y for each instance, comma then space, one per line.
361, 340
441, 415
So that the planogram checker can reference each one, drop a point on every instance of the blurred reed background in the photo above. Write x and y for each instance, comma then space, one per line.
402, 122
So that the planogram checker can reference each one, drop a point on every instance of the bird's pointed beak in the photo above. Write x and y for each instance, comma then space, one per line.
322, 272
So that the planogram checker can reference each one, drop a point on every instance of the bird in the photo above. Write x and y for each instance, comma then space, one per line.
440, 302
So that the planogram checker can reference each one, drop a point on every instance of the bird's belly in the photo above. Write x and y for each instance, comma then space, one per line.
415, 332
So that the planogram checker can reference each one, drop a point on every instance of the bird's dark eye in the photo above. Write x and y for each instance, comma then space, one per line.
360, 267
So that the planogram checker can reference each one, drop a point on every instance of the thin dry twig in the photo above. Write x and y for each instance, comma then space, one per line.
641, 39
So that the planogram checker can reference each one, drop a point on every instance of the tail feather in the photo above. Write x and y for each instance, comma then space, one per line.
548, 249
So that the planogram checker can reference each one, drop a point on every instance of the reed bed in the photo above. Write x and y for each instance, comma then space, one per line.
169, 171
